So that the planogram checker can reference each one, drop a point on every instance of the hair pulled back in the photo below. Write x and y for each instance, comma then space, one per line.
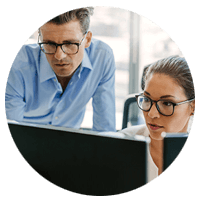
177, 68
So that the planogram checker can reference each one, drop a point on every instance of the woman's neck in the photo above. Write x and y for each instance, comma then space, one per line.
156, 151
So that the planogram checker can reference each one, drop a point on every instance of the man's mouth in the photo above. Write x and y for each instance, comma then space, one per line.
62, 65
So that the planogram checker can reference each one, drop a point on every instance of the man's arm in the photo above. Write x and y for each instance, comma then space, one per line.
14, 97
104, 100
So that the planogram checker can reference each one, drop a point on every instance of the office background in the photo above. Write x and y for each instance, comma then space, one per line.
136, 42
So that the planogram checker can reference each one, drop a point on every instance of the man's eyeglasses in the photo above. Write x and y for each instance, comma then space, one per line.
68, 47
164, 107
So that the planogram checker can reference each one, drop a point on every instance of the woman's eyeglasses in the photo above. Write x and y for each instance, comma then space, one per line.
164, 107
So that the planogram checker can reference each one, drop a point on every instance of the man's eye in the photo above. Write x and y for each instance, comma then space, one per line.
51, 44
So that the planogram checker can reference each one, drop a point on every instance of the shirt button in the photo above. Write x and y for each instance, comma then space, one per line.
54, 79
56, 117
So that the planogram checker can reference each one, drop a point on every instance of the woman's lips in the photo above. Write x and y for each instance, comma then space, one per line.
154, 126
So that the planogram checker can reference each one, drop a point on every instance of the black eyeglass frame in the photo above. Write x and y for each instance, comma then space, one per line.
56, 45
152, 101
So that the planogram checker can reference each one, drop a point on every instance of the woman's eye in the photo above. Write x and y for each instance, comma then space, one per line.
167, 103
146, 99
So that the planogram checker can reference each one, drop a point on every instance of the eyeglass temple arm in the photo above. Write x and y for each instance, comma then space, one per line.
184, 102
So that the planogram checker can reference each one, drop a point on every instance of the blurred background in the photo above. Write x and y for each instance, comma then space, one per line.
136, 42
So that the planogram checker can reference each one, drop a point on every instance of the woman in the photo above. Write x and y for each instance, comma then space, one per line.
167, 104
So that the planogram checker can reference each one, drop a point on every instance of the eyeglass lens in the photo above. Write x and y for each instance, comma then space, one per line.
164, 107
67, 48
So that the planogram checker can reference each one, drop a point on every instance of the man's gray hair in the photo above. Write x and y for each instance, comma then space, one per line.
81, 14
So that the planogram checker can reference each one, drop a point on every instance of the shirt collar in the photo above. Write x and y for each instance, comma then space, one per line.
86, 61
46, 72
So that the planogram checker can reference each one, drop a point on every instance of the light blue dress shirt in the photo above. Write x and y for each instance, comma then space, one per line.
33, 93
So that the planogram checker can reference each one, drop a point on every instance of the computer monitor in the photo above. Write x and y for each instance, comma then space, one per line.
173, 144
83, 161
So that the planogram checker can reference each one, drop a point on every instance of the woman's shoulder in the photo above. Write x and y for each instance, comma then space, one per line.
136, 130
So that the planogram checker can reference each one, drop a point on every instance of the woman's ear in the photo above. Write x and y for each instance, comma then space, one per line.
192, 104
88, 39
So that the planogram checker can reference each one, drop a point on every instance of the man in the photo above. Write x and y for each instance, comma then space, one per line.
52, 82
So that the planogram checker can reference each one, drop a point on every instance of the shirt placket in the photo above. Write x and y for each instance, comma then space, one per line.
58, 117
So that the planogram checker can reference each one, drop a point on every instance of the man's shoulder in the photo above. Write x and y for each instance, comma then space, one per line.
28, 54
100, 45
29, 49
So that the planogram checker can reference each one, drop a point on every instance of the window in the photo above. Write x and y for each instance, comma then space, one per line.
114, 26
111, 25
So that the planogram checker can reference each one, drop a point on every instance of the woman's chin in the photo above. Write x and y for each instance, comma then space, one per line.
156, 135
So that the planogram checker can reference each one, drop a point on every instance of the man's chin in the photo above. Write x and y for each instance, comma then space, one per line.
64, 73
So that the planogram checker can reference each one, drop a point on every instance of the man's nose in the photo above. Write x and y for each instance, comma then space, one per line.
59, 55
153, 113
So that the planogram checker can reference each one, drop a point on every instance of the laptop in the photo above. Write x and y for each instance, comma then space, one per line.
173, 144
83, 161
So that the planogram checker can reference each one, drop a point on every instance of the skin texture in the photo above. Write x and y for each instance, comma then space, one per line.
62, 64
160, 86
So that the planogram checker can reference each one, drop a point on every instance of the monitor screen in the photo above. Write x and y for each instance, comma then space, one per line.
173, 144
83, 161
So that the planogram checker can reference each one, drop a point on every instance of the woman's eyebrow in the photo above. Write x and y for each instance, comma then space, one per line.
162, 97
167, 96
147, 93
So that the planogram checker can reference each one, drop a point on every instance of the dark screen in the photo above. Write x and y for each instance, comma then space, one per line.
82, 163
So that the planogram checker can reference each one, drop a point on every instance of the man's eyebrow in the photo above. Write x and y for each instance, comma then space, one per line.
50, 41
65, 41
70, 41
162, 97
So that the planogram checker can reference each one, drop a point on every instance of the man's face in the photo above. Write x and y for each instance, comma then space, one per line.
64, 65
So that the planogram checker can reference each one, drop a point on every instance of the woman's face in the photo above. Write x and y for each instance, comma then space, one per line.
160, 86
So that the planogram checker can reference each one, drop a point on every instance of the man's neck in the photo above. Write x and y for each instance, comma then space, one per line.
64, 81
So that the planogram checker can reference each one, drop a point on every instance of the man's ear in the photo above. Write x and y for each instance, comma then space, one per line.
88, 39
